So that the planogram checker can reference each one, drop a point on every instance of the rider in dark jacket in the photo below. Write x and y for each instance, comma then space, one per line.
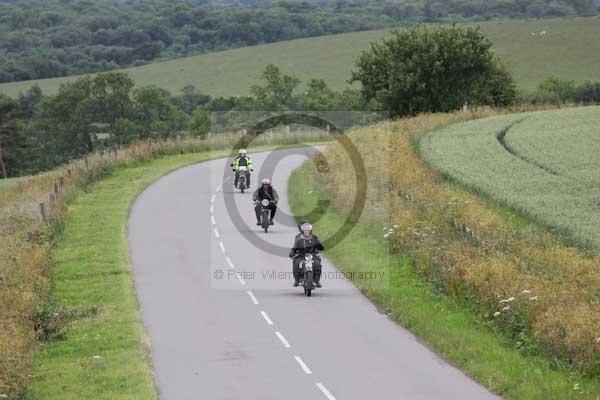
265, 191
306, 242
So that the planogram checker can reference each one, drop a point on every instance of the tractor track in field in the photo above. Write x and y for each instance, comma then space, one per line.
501, 137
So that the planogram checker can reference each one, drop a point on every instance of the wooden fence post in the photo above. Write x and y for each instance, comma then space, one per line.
55, 187
61, 182
52, 198
86, 163
2, 166
43, 211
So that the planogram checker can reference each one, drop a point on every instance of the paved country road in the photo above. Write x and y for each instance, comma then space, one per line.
222, 326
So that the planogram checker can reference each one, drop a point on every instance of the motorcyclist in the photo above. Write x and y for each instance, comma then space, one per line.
265, 191
306, 242
242, 160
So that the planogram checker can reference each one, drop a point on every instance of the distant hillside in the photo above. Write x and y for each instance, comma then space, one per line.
54, 38
534, 50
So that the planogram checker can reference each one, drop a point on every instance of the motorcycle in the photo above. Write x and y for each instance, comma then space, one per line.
265, 212
307, 274
243, 178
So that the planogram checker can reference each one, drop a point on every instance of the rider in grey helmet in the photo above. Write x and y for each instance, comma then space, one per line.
306, 242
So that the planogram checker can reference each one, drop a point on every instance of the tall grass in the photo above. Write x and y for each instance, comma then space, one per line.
521, 278
27, 311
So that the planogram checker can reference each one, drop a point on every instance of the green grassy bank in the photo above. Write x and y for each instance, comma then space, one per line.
451, 330
102, 355
103, 352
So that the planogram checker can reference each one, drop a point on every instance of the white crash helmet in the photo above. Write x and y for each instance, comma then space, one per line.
265, 181
242, 152
306, 227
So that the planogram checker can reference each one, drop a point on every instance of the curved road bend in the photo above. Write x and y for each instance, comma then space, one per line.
249, 337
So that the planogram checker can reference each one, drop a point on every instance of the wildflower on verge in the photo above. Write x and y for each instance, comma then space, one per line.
507, 300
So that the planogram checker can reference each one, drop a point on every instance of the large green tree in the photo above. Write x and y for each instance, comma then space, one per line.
66, 123
277, 92
155, 113
12, 142
110, 97
430, 69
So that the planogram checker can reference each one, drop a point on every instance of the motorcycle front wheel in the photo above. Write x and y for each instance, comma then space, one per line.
308, 283
265, 221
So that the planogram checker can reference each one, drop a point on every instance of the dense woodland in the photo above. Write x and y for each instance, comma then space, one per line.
50, 38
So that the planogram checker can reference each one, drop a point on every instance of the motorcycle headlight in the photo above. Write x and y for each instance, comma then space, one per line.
265, 202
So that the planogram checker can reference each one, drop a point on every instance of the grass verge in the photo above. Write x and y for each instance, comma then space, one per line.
449, 329
102, 354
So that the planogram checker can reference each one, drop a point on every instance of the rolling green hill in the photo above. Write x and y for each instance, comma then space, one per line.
534, 49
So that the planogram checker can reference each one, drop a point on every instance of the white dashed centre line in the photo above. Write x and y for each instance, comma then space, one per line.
326, 392
281, 338
254, 299
266, 317
286, 344
302, 365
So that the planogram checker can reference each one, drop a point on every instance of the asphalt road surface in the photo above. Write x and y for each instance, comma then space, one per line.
225, 323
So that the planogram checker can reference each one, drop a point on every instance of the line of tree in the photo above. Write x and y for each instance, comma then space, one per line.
558, 91
38, 132
43, 39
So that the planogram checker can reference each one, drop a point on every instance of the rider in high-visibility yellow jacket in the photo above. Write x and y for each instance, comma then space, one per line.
242, 160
